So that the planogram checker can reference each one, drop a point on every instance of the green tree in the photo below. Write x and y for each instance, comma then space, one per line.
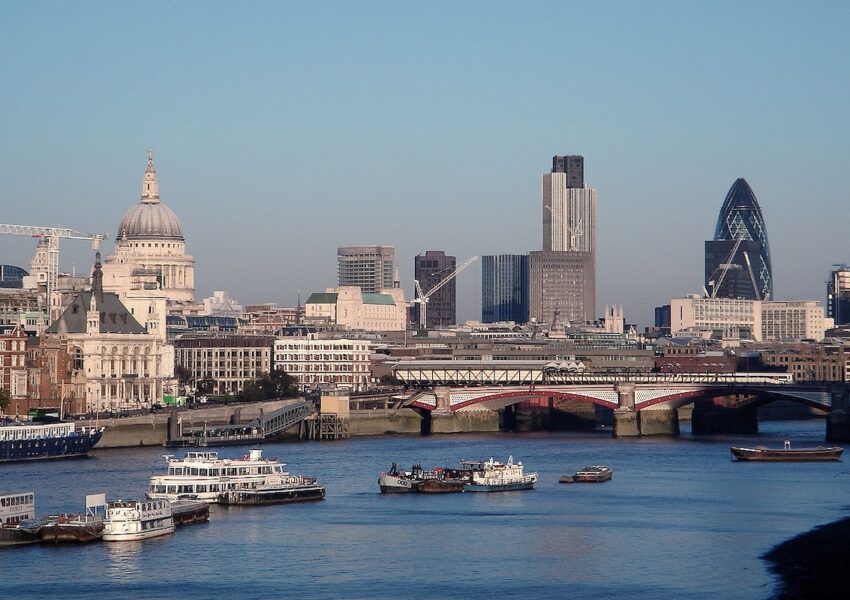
205, 386
4, 398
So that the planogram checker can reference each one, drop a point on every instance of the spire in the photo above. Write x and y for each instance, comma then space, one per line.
150, 186
97, 279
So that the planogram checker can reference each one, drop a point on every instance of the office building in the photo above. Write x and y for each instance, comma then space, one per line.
504, 288
371, 268
325, 363
737, 260
838, 295
430, 270
563, 287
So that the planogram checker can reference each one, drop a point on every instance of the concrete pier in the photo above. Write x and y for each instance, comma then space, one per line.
626, 423
659, 421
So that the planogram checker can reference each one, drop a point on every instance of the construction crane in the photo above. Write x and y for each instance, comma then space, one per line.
724, 268
52, 236
422, 298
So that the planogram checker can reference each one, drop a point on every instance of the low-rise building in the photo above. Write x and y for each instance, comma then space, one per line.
13, 363
348, 307
229, 361
325, 363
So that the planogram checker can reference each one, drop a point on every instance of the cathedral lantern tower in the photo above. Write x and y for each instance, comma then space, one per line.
150, 250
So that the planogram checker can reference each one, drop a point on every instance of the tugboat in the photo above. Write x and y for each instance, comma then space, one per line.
593, 474
787, 454
18, 524
435, 481
494, 476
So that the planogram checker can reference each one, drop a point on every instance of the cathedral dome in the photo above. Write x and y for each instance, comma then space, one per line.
150, 218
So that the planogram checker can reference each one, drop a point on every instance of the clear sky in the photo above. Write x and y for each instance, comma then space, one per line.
282, 130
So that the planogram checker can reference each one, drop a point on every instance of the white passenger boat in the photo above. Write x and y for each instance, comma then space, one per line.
18, 524
130, 520
205, 476
494, 476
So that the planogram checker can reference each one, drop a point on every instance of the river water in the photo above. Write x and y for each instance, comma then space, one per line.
678, 520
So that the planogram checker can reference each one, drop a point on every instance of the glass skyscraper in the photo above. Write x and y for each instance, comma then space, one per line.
737, 261
504, 288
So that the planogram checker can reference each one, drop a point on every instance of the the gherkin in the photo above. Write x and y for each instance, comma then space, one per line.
737, 261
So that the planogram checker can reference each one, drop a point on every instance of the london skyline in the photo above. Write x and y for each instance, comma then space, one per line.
258, 116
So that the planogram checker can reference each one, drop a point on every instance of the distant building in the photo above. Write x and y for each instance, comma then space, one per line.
504, 288
116, 363
13, 364
662, 319
838, 295
430, 270
737, 261
150, 251
325, 363
751, 319
12, 276
229, 361
563, 287
350, 308
221, 304
563, 275
371, 268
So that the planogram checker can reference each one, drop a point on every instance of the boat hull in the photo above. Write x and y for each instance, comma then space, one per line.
189, 512
783, 455
72, 446
391, 484
138, 535
498, 487
16, 536
273, 496
439, 486
71, 532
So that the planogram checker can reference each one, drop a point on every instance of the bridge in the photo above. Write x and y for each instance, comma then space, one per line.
642, 403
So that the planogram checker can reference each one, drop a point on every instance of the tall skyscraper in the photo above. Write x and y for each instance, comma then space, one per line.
371, 268
737, 261
429, 270
504, 288
838, 295
563, 275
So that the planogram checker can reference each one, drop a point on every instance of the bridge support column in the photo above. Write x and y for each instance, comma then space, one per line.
710, 417
626, 422
838, 420
659, 421
443, 395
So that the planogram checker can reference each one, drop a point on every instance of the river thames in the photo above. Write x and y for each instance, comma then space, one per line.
678, 520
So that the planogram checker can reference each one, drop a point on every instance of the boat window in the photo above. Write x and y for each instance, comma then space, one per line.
193, 471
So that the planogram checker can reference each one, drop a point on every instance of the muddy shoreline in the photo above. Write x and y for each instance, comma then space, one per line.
815, 564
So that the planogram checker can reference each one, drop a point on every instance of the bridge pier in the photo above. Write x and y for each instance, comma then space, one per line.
838, 420
659, 421
710, 418
626, 421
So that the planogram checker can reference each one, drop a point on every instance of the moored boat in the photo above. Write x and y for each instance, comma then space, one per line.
592, 474
131, 520
495, 476
40, 441
276, 490
434, 481
18, 524
76, 528
787, 454
205, 476
189, 512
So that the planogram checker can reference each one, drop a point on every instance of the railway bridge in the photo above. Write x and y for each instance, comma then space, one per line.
642, 403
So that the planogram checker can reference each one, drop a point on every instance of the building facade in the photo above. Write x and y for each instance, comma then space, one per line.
228, 361
838, 295
776, 321
325, 363
13, 364
562, 287
150, 251
351, 308
430, 270
371, 268
115, 362
737, 260
563, 274
505, 288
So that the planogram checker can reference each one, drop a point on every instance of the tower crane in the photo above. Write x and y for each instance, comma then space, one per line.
422, 298
52, 235
724, 267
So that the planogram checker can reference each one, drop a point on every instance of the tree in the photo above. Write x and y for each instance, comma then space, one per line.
205, 386
277, 384
4, 399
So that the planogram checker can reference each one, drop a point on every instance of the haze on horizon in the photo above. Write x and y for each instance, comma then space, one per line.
283, 130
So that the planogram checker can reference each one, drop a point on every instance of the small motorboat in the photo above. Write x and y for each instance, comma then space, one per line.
592, 474
787, 454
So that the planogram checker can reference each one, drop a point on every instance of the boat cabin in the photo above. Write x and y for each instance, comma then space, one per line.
15, 508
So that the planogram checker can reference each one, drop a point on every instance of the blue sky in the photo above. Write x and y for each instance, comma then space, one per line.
283, 130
